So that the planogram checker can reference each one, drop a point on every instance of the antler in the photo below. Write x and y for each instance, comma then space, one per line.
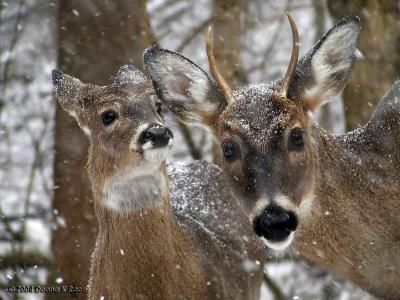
293, 59
214, 70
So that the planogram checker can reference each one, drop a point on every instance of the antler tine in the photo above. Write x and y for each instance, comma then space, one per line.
294, 57
214, 70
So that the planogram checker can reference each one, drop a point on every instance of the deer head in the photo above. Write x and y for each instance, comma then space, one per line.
128, 141
264, 129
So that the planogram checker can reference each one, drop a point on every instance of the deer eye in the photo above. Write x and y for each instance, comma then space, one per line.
229, 150
296, 141
158, 108
108, 117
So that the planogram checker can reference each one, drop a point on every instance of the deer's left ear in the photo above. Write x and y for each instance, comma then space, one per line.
67, 90
184, 87
325, 70
69, 94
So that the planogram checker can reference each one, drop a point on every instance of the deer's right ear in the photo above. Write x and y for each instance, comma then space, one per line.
67, 90
325, 70
184, 87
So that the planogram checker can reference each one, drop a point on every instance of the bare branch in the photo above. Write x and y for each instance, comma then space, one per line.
27, 260
14, 218
14, 40
195, 32
195, 151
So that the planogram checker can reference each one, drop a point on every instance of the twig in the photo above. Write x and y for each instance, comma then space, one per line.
35, 164
27, 260
257, 22
271, 47
25, 217
195, 151
196, 31
12, 45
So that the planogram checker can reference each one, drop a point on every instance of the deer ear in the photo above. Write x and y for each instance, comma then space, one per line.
184, 87
67, 90
325, 70
129, 74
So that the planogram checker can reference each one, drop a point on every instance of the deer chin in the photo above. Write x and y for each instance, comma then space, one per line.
281, 245
156, 155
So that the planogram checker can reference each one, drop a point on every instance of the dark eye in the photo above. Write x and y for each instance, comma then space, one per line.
229, 150
296, 141
158, 108
108, 117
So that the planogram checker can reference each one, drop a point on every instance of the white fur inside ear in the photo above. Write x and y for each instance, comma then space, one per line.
184, 84
183, 79
335, 56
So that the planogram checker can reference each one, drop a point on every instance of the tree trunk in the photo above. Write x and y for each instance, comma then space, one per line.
380, 44
227, 28
95, 39
226, 41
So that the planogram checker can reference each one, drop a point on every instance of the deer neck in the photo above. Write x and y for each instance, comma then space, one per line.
140, 249
343, 230
349, 171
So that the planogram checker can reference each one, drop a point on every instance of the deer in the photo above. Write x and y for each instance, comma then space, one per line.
335, 199
171, 232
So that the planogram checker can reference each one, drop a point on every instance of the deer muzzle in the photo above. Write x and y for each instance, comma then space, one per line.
276, 225
155, 142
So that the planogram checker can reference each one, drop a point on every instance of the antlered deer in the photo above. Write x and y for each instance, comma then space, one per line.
336, 197
200, 248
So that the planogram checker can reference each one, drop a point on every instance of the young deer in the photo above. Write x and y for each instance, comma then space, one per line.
201, 248
336, 197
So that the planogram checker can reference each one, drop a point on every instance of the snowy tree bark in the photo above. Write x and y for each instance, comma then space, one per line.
95, 38
380, 44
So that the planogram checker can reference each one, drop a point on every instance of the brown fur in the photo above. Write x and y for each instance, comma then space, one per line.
153, 245
358, 184
352, 227
343, 190
151, 242
155, 252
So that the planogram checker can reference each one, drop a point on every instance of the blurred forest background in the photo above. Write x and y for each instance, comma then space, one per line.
47, 224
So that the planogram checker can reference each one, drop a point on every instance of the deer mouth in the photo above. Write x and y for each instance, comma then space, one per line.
153, 142
155, 153
279, 245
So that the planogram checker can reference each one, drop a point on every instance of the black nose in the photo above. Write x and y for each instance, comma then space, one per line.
158, 135
275, 224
